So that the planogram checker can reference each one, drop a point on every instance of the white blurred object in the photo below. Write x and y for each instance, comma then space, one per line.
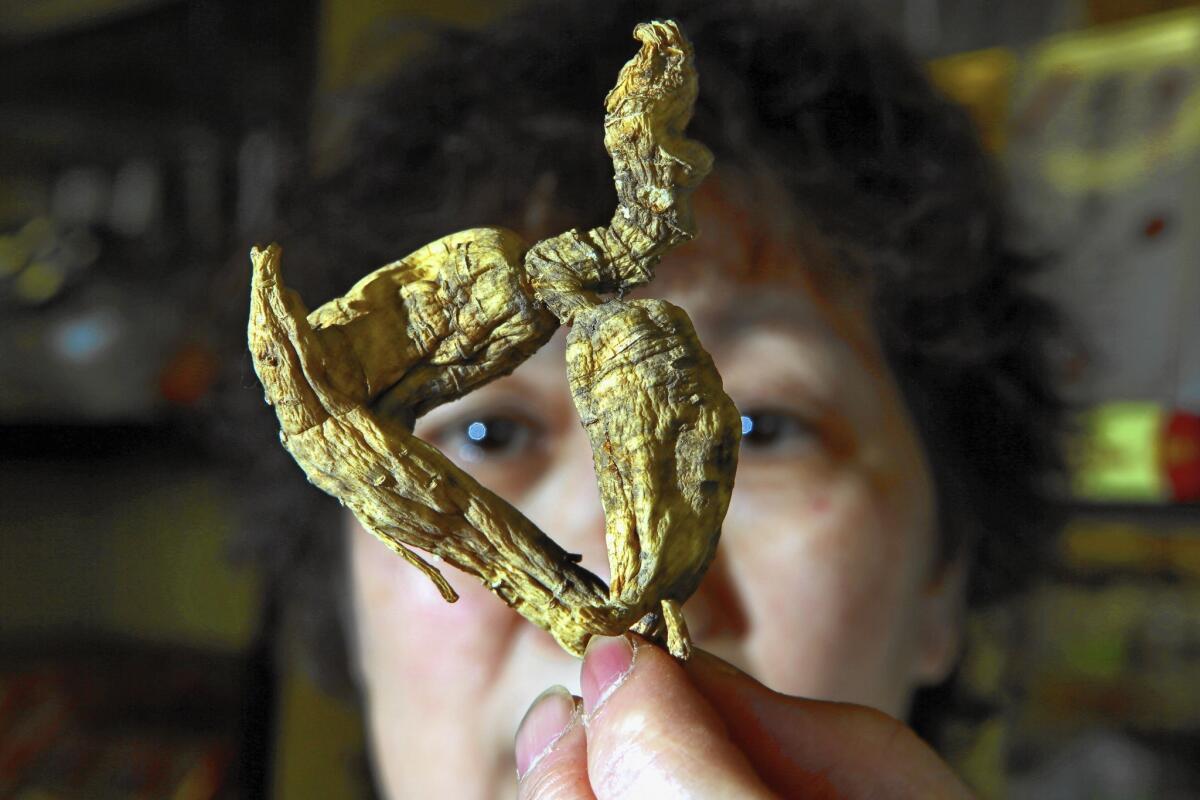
136, 198
80, 196
1104, 156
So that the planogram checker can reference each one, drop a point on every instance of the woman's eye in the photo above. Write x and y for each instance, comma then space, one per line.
504, 446
770, 430
493, 434
487, 437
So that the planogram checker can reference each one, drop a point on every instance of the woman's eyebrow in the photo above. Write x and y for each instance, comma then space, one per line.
725, 327
733, 320
822, 323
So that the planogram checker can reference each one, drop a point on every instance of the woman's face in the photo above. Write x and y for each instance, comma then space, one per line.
825, 584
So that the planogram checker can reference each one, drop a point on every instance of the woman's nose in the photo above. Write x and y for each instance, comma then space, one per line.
717, 609
567, 507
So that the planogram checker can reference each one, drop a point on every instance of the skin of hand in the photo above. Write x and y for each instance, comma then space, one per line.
649, 726
826, 583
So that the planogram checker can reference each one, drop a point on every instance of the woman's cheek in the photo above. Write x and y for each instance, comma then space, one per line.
405, 625
815, 550
408, 636
816, 571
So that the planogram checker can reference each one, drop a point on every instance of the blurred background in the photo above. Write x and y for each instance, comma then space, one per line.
141, 141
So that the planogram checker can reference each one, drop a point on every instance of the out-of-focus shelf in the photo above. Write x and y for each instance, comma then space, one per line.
1141, 512
76, 442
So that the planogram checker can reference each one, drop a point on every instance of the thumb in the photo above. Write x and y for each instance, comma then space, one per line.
812, 748
649, 731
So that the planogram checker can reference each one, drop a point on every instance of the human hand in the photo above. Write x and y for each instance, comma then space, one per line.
648, 726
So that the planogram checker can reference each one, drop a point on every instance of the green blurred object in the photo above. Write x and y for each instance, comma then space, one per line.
1117, 460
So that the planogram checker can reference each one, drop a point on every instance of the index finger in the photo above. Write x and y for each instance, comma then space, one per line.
815, 748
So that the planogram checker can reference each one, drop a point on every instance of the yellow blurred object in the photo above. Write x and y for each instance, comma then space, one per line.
1106, 12
1138, 51
147, 561
1114, 655
361, 41
1088, 546
39, 281
318, 741
12, 255
982, 82
983, 764
34, 234
19, 20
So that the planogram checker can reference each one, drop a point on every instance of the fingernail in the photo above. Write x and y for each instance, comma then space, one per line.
544, 722
606, 662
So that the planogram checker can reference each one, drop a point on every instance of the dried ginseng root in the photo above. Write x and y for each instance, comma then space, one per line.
349, 379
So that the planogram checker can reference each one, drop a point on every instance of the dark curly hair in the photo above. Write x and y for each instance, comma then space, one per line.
888, 174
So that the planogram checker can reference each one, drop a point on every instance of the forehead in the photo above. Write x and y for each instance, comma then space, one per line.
758, 295
752, 268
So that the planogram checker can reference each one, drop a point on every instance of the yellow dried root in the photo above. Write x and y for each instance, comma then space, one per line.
664, 441
401, 488
349, 379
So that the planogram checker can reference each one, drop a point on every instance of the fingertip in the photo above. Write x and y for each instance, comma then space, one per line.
607, 662
558, 769
547, 719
